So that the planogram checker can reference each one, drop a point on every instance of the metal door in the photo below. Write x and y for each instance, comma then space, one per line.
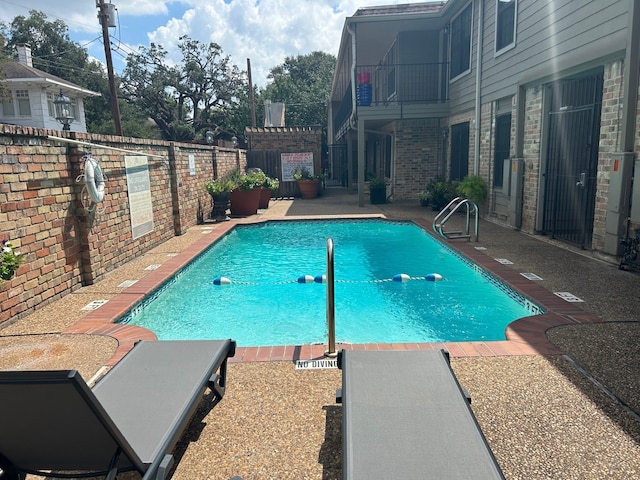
572, 159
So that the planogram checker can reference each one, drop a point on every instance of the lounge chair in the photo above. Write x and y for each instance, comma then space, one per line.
404, 416
129, 421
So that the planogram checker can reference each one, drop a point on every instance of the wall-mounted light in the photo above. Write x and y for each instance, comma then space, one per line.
234, 141
62, 106
209, 137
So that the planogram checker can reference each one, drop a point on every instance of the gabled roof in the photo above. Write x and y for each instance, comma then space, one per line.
16, 72
423, 7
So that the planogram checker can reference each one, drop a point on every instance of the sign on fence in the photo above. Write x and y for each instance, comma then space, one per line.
139, 189
295, 161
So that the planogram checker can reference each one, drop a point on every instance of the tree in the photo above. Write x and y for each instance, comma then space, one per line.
201, 93
51, 48
53, 52
303, 84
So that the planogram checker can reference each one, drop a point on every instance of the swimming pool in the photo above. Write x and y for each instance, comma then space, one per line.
265, 304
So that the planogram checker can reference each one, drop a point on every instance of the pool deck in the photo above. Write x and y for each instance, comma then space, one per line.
526, 336
545, 415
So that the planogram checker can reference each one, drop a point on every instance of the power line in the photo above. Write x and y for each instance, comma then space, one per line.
66, 21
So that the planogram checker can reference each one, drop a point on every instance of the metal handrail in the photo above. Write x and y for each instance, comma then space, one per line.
452, 207
331, 319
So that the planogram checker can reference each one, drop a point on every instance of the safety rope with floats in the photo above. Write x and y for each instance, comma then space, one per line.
94, 183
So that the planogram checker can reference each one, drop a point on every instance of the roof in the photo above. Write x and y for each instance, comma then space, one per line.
19, 72
423, 7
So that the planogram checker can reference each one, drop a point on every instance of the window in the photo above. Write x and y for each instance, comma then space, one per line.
505, 23
24, 107
74, 108
7, 106
51, 107
502, 148
461, 42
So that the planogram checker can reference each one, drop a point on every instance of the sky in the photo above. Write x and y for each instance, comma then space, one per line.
264, 31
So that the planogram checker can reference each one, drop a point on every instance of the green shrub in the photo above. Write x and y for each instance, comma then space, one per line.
474, 188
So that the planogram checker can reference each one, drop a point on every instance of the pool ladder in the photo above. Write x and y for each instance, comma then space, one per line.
446, 213
331, 318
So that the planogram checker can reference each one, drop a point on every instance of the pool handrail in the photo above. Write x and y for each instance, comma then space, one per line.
452, 207
331, 319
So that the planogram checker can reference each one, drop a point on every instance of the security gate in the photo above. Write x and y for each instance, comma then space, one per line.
336, 168
572, 159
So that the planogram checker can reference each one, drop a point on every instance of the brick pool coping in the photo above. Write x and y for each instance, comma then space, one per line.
526, 336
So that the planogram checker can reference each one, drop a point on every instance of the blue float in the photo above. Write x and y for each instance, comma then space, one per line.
221, 281
401, 277
305, 279
433, 277
320, 279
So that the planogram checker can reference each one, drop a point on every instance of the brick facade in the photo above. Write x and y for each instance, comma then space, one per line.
419, 145
288, 140
65, 246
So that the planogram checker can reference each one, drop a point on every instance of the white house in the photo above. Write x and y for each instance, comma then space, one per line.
30, 95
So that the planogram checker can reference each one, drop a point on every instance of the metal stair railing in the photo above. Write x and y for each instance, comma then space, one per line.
447, 212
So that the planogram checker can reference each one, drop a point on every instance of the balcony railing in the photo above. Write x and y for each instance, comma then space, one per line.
378, 85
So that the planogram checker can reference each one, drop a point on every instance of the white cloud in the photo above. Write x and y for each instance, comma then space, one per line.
265, 31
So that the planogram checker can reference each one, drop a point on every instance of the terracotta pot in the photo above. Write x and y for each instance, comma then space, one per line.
309, 188
244, 202
265, 196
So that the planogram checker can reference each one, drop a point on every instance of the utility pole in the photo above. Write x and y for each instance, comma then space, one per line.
103, 16
252, 101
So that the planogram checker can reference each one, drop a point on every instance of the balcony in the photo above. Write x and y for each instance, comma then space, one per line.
397, 91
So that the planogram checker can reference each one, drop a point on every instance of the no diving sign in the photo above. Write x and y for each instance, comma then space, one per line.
316, 364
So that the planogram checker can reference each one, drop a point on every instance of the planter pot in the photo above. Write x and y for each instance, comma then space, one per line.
265, 196
220, 205
378, 196
244, 202
309, 188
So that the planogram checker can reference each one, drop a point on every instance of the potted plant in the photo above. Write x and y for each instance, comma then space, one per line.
268, 186
377, 190
474, 188
245, 198
220, 190
309, 184
440, 193
424, 198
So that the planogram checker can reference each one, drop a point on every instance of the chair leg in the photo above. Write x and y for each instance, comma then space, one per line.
8, 472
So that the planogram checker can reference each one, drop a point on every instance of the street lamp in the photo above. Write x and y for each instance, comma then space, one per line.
209, 137
62, 105
234, 141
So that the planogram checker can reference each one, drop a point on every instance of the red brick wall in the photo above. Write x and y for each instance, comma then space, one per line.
288, 140
65, 246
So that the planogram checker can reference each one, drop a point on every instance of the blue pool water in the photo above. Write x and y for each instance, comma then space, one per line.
266, 305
